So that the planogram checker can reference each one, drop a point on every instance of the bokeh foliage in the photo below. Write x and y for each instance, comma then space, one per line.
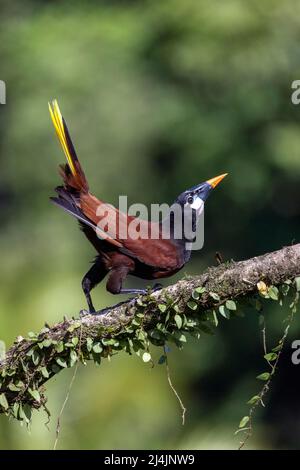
158, 96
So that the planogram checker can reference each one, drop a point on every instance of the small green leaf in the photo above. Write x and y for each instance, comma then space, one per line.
89, 344
162, 307
73, 358
74, 326
244, 421
214, 296
141, 335
35, 357
59, 347
3, 401
175, 308
192, 305
16, 409
262, 288
253, 400
272, 356
44, 372
195, 294
230, 304
110, 342
47, 342
182, 338
32, 335
178, 321
224, 312
146, 357
200, 290
25, 412
264, 376
97, 348
15, 387
277, 348
29, 352
35, 394
297, 283
75, 340
61, 362
273, 292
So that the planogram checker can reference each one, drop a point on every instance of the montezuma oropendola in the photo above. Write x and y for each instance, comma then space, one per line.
146, 258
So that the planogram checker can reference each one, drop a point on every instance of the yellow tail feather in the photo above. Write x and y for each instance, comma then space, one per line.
60, 132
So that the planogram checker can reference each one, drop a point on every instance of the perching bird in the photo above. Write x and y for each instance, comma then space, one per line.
151, 257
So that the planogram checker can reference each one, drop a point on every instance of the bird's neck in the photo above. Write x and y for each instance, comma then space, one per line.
180, 227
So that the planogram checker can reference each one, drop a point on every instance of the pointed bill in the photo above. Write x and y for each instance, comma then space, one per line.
216, 180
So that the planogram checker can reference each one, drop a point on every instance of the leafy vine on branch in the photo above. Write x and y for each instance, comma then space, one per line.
192, 306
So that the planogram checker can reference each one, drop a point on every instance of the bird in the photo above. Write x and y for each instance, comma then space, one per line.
154, 256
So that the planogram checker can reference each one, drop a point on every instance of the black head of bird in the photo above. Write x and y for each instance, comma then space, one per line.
196, 196
190, 205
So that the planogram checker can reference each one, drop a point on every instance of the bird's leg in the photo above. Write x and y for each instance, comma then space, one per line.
91, 279
114, 285
116, 279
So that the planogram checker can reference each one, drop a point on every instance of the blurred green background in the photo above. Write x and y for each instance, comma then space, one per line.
158, 96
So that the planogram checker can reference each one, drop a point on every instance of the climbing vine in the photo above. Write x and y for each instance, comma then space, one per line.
272, 357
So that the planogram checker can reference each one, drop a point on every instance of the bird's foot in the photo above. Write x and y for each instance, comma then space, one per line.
84, 313
105, 310
157, 286
154, 288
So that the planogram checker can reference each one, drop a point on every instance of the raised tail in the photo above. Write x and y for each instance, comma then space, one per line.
72, 173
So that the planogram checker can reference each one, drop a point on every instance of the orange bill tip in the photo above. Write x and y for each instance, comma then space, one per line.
216, 180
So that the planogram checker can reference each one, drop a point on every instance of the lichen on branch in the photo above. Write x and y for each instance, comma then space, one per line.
191, 306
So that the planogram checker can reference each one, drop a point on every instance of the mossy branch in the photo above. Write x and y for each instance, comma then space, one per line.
189, 306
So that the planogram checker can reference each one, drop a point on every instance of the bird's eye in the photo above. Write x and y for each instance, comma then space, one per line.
190, 199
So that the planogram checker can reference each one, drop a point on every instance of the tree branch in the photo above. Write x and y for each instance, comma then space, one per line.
157, 317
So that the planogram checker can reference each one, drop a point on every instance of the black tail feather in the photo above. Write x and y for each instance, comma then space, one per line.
67, 202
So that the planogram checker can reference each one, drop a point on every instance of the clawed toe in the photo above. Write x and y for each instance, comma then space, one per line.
83, 313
